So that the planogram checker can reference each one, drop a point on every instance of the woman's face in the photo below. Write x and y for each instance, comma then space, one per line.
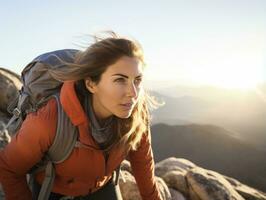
118, 90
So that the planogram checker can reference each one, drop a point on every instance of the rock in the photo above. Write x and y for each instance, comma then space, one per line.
9, 85
176, 195
208, 185
176, 180
4, 136
129, 189
4, 117
249, 193
126, 170
125, 165
164, 191
172, 164
245, 191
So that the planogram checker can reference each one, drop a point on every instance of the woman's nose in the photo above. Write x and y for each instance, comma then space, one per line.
132, 90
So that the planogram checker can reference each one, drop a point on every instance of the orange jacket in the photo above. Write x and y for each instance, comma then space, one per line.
85, 170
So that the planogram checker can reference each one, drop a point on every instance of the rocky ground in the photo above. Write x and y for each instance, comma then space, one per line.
180, 179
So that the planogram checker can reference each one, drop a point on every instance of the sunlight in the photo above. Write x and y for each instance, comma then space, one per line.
240, 69
237, 78
237, 63
261, 94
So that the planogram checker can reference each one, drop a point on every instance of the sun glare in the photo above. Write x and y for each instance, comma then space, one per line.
219, 63
233, 74
239, 81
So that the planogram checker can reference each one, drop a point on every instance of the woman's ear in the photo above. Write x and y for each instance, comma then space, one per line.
90, 85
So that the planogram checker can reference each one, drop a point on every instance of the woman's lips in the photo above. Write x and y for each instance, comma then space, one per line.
127, 105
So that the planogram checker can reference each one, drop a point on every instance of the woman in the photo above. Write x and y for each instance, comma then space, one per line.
104, 97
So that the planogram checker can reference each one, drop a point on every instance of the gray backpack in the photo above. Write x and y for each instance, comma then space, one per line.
38, 87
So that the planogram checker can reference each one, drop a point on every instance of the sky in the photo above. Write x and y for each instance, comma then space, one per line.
186, 42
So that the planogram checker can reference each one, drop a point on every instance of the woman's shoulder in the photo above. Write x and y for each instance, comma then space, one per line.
43, 122
46, 112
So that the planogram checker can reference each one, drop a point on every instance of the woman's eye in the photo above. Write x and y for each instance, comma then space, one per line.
138, 81
120, 80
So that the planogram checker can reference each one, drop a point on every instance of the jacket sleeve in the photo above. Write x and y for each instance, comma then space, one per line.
142, 164
24, 151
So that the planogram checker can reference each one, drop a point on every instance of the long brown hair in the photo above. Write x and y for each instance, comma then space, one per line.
93, 62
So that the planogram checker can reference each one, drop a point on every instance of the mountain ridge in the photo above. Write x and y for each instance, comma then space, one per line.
213, 148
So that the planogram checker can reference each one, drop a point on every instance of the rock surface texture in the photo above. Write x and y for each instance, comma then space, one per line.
187, 181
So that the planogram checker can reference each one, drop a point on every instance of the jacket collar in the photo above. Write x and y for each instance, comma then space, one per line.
71, 104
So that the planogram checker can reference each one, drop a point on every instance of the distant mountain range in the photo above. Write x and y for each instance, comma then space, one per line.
241, 112
213, 148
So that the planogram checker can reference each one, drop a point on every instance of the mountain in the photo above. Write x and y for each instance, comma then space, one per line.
181, 110
241, 112
212, 147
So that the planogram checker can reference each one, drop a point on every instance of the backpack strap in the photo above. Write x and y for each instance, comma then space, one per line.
63, 144
48, 181
65, 138
16, 119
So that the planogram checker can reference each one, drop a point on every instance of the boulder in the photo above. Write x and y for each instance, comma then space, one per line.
128, 186
176, 180
245, 191
173, 164
4, 136
176, 195
208, 185
125, 165
9, 85
164, 190
130, 191
4, 117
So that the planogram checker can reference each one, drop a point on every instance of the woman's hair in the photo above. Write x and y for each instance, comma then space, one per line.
92, 63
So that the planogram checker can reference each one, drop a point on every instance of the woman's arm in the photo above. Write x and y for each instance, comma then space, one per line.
25, 150
142, 164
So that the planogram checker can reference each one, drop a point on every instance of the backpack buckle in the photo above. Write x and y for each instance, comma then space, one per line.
16, 112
